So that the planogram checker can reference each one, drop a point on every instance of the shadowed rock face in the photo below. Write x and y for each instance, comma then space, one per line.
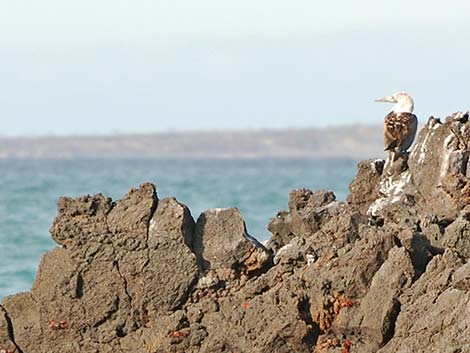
387, 271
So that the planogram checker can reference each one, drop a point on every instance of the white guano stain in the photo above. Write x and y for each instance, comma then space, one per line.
392, 191
310, 259
284, 249
433, 125
463, 129
422, 150
447, 150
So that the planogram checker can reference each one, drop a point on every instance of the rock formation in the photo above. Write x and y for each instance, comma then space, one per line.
387, 271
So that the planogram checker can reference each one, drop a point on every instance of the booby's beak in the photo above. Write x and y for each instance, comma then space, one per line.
388, 99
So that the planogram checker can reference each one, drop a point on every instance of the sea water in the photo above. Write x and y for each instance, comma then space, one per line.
29, 190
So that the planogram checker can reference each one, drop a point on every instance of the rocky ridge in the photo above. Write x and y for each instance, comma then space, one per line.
386, 271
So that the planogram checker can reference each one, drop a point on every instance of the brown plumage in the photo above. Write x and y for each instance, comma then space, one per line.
399, 131
399, 125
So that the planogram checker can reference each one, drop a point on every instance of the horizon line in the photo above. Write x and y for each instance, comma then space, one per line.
188, 131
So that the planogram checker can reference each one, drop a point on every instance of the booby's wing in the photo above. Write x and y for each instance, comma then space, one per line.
397, 128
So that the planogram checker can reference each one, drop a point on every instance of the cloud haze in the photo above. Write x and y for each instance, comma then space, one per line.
122, 66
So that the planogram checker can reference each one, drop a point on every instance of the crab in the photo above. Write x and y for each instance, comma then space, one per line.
57, 325
6, 350
178, 334
341, 303
347, 303
346, 346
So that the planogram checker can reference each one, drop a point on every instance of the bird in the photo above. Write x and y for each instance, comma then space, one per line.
400, 125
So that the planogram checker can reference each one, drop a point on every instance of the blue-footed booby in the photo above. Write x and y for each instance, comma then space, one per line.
399, 125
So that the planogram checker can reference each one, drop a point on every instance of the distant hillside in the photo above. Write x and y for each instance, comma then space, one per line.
339, 142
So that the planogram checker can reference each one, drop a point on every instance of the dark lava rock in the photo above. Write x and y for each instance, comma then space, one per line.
362, 194
457, 235
221, 241
381, 305
387, 271
434, 313
308, 210
281, 230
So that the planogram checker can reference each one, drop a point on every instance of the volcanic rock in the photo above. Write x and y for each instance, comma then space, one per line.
221, 241
388, 271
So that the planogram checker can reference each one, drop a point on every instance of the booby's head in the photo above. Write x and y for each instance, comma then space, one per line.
403, 102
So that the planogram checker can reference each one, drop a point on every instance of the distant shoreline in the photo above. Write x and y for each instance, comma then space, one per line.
179, 159
356, 142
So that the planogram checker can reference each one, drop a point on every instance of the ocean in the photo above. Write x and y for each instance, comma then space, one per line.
29, 190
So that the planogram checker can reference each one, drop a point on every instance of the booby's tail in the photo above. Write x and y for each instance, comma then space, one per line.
392, 145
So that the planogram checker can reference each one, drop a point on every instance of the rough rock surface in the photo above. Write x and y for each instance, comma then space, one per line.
221, 241
388, 271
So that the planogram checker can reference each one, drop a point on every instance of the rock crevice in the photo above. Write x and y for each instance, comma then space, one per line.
10, 344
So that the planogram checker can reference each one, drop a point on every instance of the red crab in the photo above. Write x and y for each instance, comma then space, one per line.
57, 325
347, 303
245, 305
346, 346
178, 334
6, 350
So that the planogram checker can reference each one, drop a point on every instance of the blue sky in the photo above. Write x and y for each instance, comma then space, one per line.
113, 66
